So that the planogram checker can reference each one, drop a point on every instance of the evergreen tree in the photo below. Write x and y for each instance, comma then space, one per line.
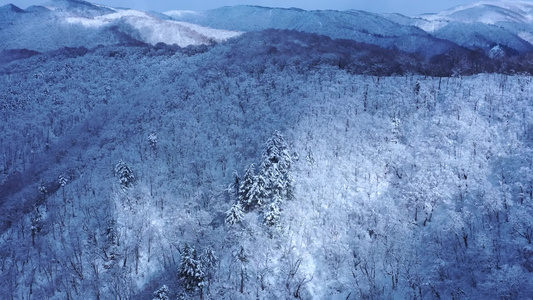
124, 174
209, 259
259, 191
247, 184
63, 180
152, 140
36, 224
191, 270
209, 262
235, 214
273, 214
253, 189
162, 293
275, 166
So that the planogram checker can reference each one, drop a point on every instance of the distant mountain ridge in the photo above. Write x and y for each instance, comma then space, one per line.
482, 26
356, 25
488, 12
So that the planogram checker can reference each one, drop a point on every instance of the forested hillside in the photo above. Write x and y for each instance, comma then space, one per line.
275, 165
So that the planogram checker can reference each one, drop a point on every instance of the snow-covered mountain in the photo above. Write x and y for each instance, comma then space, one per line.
483, 25
356, 25
487, 12
483, 36
72, 23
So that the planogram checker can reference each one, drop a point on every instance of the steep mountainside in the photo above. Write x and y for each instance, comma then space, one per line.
489, 12
118, 160
69, 23
481, 25
355, 25
504, 24
483, 36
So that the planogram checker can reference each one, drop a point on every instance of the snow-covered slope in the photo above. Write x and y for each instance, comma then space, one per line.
70, 23
484, 36
488, 12
404, 187
355, 25
80, 8
152, 30
482, 24
75, 23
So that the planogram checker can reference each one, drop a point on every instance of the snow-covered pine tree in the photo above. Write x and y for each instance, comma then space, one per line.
63, 180
124, 174
235, 214
273, 214
253, 189
152, 140
259, 191
417, 87
162, 293
209, 262
275, 166
36, 224
191, 270
209, 259
42, 188
247, 183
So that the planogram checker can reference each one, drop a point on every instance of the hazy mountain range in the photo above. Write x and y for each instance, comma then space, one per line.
482, 25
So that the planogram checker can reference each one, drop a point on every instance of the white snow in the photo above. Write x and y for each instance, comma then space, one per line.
527, 36
179, 13
485, 12
154, 30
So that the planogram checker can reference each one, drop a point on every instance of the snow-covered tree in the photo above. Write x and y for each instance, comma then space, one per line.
152, 140
124, 174
260, 191
162, 293
209, 259
275, 166
274, 178
209, 262
36, 224
253, 189
42, 188
246, 187
272, 215
63, 180
244, 258
191, 270
235, 214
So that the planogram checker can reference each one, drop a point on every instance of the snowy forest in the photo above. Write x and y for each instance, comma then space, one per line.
269, 164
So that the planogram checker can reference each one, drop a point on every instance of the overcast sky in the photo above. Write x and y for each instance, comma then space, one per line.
407, 7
